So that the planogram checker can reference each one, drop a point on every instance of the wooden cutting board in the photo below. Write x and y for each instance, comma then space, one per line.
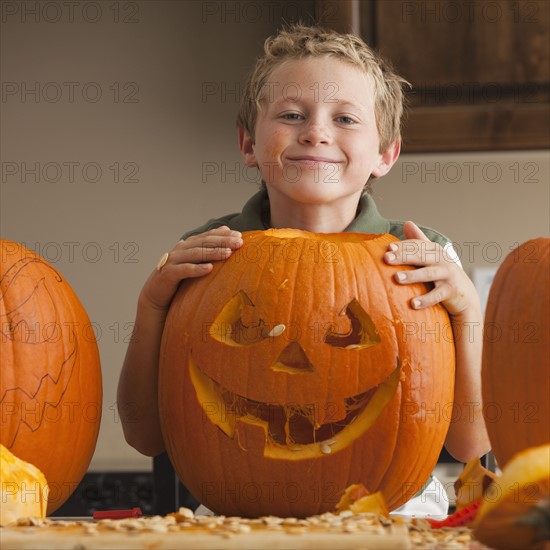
330, 532
204, 541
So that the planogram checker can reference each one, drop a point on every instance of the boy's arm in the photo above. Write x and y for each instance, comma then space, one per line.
467, 436
137, 399
137, 395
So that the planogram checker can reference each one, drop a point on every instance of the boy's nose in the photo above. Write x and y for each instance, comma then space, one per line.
315, 133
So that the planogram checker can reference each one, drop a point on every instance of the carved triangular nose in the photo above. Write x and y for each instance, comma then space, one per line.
293, 359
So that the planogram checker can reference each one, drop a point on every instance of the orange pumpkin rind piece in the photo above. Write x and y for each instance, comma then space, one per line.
22, 489
516, 511
472, 483
357, 499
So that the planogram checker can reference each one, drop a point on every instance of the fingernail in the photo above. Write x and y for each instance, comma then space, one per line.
393, 246
390, 257
416, 303
401, 276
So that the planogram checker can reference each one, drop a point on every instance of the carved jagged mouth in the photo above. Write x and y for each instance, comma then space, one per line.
294, 424
293, 430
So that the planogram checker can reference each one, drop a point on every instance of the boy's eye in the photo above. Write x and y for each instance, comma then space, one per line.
292, 116
345, 119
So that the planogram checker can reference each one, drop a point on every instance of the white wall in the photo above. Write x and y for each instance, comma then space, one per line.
167, 72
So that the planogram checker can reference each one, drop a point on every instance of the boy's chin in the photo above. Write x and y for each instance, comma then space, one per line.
304, 192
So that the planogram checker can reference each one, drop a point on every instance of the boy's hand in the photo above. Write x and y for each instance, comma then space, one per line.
192, 257
452, 287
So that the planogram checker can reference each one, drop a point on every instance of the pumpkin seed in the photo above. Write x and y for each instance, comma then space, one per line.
276, 331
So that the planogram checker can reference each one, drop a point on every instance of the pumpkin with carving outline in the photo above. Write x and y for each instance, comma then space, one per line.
50, 387
297, 368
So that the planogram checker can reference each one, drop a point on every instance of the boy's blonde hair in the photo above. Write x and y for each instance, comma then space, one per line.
298, 42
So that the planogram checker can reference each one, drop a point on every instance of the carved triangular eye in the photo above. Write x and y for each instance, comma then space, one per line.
238, 322
361, 334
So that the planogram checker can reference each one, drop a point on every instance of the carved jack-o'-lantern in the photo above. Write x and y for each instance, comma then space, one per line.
297, 368
50, 385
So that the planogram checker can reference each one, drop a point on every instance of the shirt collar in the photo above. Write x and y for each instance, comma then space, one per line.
256, 214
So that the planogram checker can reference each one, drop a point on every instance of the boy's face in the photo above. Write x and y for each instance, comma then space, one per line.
316, 139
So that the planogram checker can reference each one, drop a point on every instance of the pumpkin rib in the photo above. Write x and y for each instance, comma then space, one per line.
337, 282
352, 261
372, 300
383, 279
293, 275
421, 454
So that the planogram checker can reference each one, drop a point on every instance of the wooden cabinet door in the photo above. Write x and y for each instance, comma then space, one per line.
479, 68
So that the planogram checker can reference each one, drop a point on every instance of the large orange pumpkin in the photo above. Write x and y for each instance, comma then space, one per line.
516, 352
297, 368
50, 388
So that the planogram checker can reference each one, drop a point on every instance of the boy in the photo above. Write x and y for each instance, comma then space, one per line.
319, 117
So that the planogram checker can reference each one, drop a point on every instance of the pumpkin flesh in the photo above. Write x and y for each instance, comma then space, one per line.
23, 489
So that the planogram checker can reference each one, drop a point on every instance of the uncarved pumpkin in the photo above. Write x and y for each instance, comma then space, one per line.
297, 368
50, 388
516, 352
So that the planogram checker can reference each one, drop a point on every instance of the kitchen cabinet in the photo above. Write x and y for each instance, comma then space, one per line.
479, 69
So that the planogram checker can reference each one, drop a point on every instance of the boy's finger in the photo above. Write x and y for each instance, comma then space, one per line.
423, 275
437, 295
412, 231
212, 241
414, 252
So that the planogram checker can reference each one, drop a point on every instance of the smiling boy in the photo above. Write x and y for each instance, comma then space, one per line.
316, 143
320, 117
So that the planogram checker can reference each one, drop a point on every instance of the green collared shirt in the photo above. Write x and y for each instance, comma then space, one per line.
368, 220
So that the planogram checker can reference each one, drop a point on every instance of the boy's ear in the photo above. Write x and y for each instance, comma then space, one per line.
246, 145
387, 159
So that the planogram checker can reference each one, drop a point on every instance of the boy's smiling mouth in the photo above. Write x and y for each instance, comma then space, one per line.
310, 161
313, 159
